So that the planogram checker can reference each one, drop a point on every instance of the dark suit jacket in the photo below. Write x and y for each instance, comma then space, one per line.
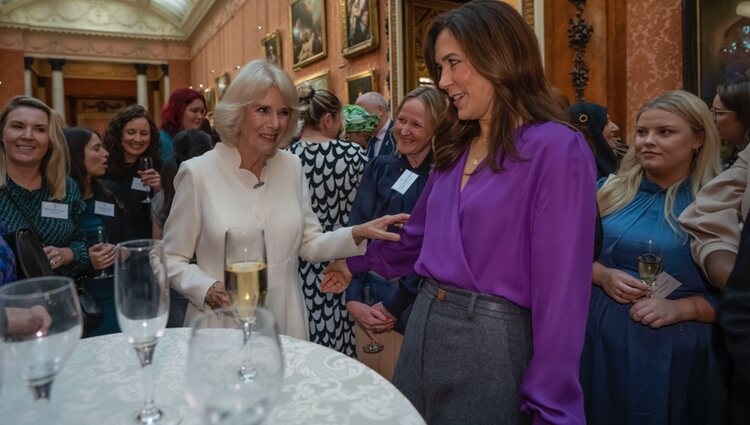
388, 147
734, 317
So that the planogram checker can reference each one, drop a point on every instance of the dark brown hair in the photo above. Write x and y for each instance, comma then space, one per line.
315, 103
113, 139
502, 47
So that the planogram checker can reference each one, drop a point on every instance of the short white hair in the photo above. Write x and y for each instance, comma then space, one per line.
250, 85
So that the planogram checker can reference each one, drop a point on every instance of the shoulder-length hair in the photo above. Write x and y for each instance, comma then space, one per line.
619, 190
250, 85
502, 48
77, 139
171, 114
113, 138
55, 163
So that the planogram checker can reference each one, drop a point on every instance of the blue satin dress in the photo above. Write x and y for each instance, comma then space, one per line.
630, 373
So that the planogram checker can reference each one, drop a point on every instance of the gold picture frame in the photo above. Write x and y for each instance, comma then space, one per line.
359, 26
307, 20
272, 47
210, 95
357, 84
320, 80
222, 82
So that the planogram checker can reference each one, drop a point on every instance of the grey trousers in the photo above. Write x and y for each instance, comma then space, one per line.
464, 356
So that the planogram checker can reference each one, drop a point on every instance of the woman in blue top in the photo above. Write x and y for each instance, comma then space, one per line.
378, 194
88, 162
650, 360
185, 110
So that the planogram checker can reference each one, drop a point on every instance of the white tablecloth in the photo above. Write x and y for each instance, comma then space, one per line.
101, 383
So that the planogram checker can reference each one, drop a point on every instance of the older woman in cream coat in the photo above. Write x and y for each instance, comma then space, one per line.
247, 180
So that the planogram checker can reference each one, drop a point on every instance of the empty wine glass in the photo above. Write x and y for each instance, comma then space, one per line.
368, 296
146, 163
217, 349
40, 325
99, 236
649, 261
245, 278
142, 304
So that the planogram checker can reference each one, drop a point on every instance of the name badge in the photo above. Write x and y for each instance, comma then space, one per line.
55, 210
404, 182
664, 285
138, 185
104, 208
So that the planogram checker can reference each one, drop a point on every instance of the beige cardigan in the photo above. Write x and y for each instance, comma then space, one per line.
715, 219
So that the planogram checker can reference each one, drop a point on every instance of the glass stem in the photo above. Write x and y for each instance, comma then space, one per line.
149, 412
41, 398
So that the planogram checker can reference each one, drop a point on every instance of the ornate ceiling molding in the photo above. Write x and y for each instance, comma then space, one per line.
39, 44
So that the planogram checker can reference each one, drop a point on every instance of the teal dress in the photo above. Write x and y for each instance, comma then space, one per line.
118, 228
630, 373
20, 207
167, 151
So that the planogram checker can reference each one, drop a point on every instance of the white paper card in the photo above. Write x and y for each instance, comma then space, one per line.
138, 185
55, 210
404, 182
664, 285
104, 208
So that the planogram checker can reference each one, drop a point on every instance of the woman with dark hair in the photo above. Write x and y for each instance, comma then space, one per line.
130, 136
187, 144
325, 158
185, 110
503, 234
716, 217
35, 190
594, 122
731, 112
88, 164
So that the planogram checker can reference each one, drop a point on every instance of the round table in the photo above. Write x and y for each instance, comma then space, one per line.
101, 383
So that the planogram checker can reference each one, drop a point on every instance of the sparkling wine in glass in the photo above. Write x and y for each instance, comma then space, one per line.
100, 236
217, 349
368, 297
146, 163
649, 262
40, 325
142, 304
245, 279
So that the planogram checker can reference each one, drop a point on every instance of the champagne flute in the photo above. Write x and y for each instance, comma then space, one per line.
99, 235
142, 304
40, 325
146, 163
217, 348
245, 279
368, 296
649, 261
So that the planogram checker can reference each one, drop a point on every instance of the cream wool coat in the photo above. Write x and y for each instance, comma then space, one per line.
214, 194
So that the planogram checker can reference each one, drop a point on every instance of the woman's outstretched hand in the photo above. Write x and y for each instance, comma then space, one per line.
377, 229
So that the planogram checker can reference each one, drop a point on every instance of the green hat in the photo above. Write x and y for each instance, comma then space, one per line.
358, 120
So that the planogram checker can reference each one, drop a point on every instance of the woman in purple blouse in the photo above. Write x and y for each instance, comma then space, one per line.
503, 233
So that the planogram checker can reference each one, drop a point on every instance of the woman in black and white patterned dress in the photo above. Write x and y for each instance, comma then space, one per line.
333, 169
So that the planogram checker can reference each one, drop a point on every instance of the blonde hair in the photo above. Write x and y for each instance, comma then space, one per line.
619, 190
435, 104
250, 85
56, 162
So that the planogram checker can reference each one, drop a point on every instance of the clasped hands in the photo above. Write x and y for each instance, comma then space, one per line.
652, 312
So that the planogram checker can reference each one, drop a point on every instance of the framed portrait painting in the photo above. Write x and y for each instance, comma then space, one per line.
715, 33
359, 25
308, 23
272, 47
222, 82
317, 81
360, 83
210, 95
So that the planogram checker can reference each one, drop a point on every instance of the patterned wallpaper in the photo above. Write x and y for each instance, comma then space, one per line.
654, 46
